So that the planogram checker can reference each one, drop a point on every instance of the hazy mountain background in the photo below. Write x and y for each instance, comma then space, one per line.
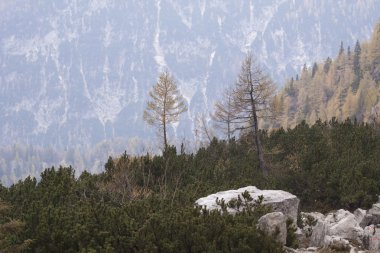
75, 75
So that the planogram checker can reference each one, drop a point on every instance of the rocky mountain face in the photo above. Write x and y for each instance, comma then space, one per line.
77, 73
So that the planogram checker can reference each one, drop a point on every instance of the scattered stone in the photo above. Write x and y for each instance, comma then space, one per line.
337, 231
337, 243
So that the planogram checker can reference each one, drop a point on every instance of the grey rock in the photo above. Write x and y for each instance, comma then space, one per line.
362, 217
319, 233
374, 214
315, 228
343, 224
337, 243
274, 224
371, 240
279, 201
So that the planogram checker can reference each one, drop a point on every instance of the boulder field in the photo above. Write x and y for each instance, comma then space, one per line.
338, 230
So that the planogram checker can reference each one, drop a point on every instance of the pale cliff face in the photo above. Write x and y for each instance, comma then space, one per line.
75, 73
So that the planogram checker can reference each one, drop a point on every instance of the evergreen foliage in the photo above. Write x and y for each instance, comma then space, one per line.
348, 87
146, 203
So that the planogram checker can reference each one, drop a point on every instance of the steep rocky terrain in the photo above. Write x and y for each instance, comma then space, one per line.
77, 73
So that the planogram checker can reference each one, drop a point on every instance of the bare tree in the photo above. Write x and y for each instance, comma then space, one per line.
253, 100
224, 115
202, 129
165, 106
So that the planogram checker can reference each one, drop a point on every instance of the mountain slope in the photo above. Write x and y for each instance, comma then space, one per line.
75, 74
346, 87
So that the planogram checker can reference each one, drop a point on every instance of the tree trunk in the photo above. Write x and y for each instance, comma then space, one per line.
259, 148
165, 140
228, 131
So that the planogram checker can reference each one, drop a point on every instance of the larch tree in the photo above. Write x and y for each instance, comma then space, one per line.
252, 100
374, 51
224, 115
165, 105
203, 132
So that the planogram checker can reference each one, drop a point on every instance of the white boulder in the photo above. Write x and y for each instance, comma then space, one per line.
279, 201
343, 224
274, 224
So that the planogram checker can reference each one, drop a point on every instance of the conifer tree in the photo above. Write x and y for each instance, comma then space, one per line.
9, 231
165, 106
314, 70
356, 68
374, 51
326, 66
224, 115
252, 99
341, 49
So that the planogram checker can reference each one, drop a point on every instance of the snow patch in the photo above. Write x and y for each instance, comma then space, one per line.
188, 88
108, 103
135, 93
159, 57
108, 34
202, 7
180, 10
211, 58
97, 5
47, 113
32, 48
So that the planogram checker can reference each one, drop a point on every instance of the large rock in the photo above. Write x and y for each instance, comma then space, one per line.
319, 233
279, 201
343, 224
314, 229
371, 238
274, 224
362, 217
373, 214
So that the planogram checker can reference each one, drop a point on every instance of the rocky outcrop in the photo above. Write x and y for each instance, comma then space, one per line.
343, 224
313, 231
274, 224
373, 214
340, 230
337, 243
362, 217
279, 201
371, 239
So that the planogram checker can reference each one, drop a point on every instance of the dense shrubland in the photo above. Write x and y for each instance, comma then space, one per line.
146, 203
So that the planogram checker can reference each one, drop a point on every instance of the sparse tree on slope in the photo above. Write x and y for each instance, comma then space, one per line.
165, 106
224, 114
253, 97
356, 68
